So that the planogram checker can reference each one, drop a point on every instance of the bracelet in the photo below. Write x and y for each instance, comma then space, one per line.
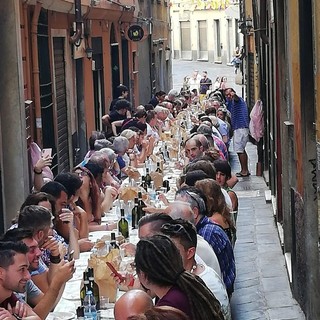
55, 259
36, 172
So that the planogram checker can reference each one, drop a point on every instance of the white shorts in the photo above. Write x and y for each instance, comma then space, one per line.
240, 139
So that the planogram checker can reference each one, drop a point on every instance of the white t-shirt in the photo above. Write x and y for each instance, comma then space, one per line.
152, 133
208, 256
227, 198
217, 287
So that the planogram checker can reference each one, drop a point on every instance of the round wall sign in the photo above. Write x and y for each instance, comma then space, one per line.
135, 33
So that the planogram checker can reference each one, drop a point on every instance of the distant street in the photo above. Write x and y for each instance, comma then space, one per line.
181, 68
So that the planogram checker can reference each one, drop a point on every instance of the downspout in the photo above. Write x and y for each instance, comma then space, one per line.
77, 10
35, 71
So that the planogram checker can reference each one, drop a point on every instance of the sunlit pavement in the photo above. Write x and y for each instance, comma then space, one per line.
262, 289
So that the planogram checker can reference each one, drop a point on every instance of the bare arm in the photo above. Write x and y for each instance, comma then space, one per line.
38, 178
109, 194
49, 300
114, 126
21, 310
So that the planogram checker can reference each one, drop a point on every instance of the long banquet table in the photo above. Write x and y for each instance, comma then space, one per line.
70, 300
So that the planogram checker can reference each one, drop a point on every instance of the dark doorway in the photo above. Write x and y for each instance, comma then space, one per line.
98, 81
47, 115
61, 104
114, 50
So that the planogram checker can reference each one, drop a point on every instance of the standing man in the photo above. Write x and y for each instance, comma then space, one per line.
240, 127
205, 83
194, 81
122, 92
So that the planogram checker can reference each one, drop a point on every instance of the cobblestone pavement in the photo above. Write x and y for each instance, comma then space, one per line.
262, 289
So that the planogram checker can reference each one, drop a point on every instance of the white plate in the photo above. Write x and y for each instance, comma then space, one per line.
60, 315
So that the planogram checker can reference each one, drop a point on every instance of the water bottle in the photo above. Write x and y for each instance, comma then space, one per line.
152, 191
89, 304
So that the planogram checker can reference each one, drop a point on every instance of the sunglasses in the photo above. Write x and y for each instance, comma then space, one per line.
194, 197
174, 229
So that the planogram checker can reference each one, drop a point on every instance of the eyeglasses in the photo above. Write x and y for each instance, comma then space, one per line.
172, 229
81, 173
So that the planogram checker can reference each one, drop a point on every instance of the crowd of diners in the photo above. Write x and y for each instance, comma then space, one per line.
184, 261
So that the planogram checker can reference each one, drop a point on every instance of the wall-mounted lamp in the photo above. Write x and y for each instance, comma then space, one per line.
249, 24
89, 52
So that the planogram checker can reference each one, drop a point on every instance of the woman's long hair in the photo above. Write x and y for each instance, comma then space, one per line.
94, 194
215, 199
159, 259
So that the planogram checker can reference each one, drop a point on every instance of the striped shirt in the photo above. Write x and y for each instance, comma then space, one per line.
239, 114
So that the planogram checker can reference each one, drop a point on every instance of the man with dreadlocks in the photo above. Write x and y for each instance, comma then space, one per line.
160, 269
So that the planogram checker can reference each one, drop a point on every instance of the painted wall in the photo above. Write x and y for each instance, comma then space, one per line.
217, 15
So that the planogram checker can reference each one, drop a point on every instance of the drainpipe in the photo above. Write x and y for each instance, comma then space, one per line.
77, 10
35, 71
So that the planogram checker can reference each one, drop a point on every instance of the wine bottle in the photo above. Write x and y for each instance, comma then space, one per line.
123, 225
143, 183
85, 286
158, 168
113, 242
135, 213
148, 178
141, 205
94, 287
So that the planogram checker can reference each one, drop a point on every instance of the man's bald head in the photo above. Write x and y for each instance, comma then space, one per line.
180, 209
132, 303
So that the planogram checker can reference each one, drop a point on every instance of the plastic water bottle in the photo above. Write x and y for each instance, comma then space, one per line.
89, 304
152, 191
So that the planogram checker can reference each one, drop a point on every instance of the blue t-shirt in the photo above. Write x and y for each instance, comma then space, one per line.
41, 269
32, 291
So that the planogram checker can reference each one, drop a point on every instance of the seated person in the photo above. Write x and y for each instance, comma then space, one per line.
13, 278
184, 234
132, 303
119, 114
90, 197
38, 219
72, 183
54, 205
42, 303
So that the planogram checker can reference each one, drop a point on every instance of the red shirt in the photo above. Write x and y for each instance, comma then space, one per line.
12, 300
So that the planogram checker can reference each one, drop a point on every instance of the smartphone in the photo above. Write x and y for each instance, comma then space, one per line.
46, 152
112, 268
70, 256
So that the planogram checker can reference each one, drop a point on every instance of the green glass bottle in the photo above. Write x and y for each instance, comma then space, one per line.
123, 225
141, 205
148, 178
94, 287
135, 213
85, 286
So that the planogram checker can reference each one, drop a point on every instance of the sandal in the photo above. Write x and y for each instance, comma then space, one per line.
239, 174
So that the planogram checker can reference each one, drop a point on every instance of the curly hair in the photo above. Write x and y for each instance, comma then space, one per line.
159, 259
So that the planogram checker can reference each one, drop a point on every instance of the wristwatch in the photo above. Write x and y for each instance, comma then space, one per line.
55, 259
